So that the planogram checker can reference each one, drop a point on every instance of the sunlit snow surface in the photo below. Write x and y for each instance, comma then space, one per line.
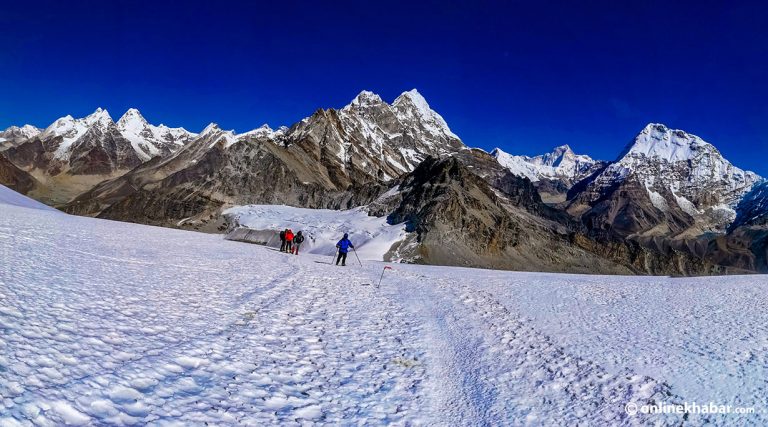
372, 236
113, 323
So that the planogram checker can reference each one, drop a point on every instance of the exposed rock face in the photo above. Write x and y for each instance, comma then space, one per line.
71, 154
459, 219
380, 140
752, 209
15, 178
332, 159
445, 195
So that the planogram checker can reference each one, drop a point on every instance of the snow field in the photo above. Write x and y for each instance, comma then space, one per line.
104, 322
323, 228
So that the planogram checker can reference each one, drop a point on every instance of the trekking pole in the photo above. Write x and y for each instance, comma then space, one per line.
358, 258
334, 256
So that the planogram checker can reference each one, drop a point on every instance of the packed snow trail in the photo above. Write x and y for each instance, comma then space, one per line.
104, 322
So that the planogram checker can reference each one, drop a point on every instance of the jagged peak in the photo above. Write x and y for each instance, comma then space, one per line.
413, 96
411, 104
100, 115
25, 129
132, 115
658, 140
501, 156
211, 128
365, 98
264, 130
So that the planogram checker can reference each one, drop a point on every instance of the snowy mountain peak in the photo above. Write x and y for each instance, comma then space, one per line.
131, 117
681, 172
262, 131
673, 145
62, 126
561, 162
411, 106
414, 97
365, 99
26, 131
562, 150
211, 128
99, 116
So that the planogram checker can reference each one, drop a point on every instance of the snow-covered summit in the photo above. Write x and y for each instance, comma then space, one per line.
132, 117
211, 128
681, 173
149, 140
215, 135
673, 145
70, 130
263, 132
365, 98
561, 162
676, 159
100, 116
411, 106
26, 131
15, 135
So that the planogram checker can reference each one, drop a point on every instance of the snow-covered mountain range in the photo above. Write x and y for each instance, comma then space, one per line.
388, 139
666, 189
331, 159
674, 179
561, 163
93, 145
15, 135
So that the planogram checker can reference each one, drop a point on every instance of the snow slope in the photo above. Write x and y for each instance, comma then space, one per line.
104, 322
10, 197
372, 236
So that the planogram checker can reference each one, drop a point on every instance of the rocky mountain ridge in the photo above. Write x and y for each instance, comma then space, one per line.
669, 204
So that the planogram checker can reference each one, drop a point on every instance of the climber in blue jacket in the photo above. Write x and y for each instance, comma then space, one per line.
343, 245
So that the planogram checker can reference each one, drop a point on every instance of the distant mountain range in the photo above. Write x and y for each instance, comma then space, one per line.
668, 204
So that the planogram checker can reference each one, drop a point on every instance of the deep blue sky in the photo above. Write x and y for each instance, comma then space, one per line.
525, 76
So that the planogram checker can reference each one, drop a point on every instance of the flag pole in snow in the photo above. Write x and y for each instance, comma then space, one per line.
386, 267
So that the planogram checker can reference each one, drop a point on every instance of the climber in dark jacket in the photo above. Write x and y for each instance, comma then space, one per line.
343, 245
298, 239
282, 240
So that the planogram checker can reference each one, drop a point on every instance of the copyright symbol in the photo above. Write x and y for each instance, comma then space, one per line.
631, 408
